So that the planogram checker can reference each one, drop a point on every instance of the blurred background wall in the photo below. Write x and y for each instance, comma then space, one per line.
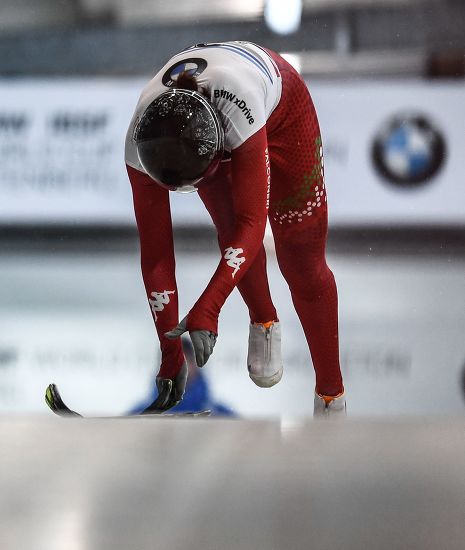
387, 78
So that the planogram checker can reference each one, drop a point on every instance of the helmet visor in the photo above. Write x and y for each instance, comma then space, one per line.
179, 139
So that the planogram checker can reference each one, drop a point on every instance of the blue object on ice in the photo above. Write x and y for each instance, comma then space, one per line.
196, 398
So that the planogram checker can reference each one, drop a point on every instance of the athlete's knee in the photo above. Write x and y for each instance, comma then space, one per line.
318, 279
318, 284
304, 269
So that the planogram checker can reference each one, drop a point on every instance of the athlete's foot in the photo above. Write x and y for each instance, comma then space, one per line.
264, 356
329, 406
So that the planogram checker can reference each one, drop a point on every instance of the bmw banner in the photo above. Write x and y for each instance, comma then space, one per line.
393, 152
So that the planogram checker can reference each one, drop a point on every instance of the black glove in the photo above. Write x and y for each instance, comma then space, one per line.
170, 392
203, 341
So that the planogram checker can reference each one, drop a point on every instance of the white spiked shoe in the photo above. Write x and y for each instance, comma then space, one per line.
264, 356
325, 406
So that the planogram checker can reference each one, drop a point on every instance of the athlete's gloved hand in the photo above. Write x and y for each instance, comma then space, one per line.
170, 392
203, 341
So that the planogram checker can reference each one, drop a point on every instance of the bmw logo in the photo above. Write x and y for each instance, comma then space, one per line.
408, 151
193, 66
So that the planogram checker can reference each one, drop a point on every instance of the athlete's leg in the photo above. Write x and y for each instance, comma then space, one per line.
254, 288
298, 217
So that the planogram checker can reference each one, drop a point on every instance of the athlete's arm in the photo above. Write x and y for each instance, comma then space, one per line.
153, 216
250, 188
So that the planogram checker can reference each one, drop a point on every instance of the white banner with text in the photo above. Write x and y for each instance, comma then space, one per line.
393, 152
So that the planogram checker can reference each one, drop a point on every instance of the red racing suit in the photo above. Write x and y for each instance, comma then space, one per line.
274, 157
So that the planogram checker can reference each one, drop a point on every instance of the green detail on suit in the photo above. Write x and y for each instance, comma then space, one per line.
306, 192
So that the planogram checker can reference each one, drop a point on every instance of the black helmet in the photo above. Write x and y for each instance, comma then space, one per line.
179, 140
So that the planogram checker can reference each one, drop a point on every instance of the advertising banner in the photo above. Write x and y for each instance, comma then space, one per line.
61, 151
393, 152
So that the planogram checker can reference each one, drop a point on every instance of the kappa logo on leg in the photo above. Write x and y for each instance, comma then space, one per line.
233, 259
160, 300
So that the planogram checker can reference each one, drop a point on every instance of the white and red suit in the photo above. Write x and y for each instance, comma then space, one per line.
273, 167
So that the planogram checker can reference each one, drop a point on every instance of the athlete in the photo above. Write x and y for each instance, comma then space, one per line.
236, 123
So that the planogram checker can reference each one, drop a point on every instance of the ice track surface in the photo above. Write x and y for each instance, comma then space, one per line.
213, 484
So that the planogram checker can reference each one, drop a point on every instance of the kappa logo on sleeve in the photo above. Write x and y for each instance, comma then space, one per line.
160, 300
233, 259
241, 104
